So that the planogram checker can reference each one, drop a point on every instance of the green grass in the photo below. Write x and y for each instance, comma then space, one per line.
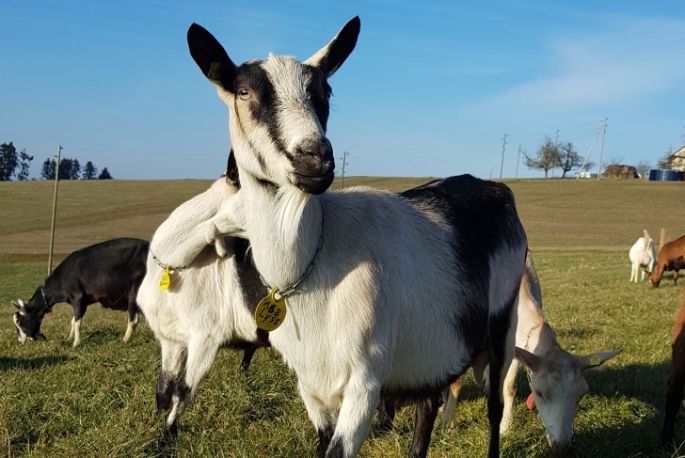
98, 400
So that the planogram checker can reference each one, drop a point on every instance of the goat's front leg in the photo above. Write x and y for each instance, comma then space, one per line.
509, 391
360, 400
321, 418
451, 395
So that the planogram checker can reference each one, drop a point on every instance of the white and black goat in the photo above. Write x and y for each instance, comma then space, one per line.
556, 377
207, 302
394, 295
642, 256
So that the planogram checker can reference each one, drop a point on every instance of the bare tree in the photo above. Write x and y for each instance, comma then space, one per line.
568, 159
546, 158
666, 161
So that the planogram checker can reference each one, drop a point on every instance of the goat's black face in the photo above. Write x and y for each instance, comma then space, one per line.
29, 317
279, 108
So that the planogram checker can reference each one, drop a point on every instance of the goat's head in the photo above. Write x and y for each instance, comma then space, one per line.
29, 316
655, 277
558, 382
278, 108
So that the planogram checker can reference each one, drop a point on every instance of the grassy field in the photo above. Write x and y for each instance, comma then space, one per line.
98, 400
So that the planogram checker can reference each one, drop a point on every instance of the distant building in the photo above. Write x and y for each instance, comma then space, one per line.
678, 159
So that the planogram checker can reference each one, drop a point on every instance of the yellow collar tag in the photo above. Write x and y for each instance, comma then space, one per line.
270, 311
165, 281
595, 361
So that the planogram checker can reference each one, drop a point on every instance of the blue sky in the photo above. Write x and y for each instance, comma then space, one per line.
429, 91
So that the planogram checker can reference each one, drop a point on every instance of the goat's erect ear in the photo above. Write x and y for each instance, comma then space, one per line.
211, 57
16, 305
329, 58
530, 360
596, 359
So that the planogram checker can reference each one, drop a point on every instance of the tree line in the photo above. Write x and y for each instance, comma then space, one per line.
17, 165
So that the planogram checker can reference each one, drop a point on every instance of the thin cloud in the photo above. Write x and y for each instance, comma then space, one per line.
632, 59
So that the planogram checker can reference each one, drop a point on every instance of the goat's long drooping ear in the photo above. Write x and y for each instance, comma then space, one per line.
596, 359
211, 57
329, 58
530, 360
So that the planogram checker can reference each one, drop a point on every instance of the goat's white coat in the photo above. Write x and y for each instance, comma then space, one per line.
378, 309
642, 256
204, 306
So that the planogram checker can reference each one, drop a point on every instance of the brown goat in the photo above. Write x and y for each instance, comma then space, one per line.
671, 257
676, 380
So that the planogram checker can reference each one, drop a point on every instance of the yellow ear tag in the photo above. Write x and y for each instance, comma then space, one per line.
165, 281
270, 311
595, 361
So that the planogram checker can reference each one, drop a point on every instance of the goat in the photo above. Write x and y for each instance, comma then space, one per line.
642, 256
556, 377
373, 281
676, 380
206, 302
671, 257
108, 272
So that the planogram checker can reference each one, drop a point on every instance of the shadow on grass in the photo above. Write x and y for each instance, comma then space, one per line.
163, 447
31, 363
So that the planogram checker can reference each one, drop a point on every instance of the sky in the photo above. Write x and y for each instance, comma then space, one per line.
430, 90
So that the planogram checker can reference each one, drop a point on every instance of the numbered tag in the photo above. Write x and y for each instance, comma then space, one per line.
165, 281
270, 311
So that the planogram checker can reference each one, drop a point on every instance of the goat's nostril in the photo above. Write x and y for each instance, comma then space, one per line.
320, 149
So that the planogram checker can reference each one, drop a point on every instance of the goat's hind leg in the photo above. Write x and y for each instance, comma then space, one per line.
198, 360
426, 411
173, 362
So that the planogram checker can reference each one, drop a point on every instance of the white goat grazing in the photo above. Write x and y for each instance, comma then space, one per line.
388, 294
205, 305
556, 377
642, 256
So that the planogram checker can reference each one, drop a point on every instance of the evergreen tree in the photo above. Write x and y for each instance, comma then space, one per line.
24, 165
47, 172
90, 172
104, 175
8, 161
69, 169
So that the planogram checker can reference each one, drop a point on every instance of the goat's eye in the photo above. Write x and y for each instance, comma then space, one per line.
539, 394
243, 93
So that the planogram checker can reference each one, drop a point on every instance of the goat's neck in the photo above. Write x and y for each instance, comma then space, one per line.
534, 333
284, 226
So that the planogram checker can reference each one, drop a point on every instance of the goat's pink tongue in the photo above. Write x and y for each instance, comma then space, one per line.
530, 402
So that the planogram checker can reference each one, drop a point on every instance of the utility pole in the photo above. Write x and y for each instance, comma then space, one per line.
344, 164
518, 161
601, 150
504, 147
54, 209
